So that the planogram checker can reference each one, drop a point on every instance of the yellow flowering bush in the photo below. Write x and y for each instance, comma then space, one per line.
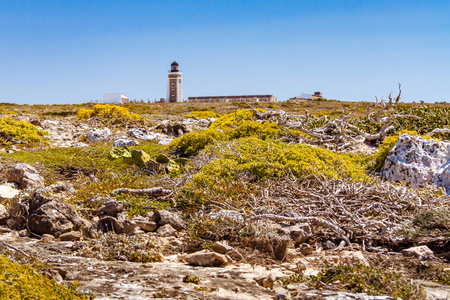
19, 130
226, 128
202, 115
22, 282
112, 113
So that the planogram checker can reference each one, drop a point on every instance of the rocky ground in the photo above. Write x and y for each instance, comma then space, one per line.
115, 256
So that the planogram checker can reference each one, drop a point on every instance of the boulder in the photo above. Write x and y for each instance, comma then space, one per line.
8, 192
110, 207
421, 252
26, 176
164, 217
4, 215
166, 230
207, 259
98, 135
52, 217
419, 162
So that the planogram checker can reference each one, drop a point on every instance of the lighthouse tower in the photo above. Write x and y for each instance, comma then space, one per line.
174, 87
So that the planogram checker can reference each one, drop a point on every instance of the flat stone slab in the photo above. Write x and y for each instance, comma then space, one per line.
7, 192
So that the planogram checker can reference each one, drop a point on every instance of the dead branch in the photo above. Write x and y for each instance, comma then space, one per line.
312, 220
152, 192
438, 130
14, 248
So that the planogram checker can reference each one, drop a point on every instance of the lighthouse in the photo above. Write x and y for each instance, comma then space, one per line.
174, 86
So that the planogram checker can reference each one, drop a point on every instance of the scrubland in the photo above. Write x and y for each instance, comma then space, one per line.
292, 187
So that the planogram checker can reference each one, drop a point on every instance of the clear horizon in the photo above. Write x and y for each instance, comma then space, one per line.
58, 52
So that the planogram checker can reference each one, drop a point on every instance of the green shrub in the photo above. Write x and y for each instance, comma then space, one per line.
22, 282
229, 127
370, 280
274, 159
19, 130
202, 115
191, 143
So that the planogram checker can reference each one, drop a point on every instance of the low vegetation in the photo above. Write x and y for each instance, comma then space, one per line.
112, 114
22, 282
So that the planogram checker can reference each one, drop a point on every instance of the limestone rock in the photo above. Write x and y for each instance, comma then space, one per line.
125, 142
421, 252
26, 176
166, 230
207, 259
110, 207
223, 248
52, 217
145, 223
353, 257
165, 217
419, 162
266, 281
8, 192
70, 236
108, 223
98, 135
62, 187
3, 214
142, 134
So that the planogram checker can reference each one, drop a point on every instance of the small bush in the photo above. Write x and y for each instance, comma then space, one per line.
202, 115
191, 279
22, 282
110, 113
11, 130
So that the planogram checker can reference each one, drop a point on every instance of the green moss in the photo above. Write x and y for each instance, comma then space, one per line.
22, 282
19, 130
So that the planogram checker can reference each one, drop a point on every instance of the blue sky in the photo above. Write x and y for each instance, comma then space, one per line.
74, 51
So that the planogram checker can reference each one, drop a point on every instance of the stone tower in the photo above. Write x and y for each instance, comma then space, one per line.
174, 86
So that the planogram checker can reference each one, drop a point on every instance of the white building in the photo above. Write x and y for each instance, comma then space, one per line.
115, 98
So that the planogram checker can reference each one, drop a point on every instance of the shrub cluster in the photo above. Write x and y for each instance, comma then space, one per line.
11, 130
228, 127
111, 113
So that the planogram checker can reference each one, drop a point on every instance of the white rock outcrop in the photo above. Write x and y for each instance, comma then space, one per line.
97, 134
419, 162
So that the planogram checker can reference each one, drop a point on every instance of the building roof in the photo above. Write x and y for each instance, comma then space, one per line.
174, 64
